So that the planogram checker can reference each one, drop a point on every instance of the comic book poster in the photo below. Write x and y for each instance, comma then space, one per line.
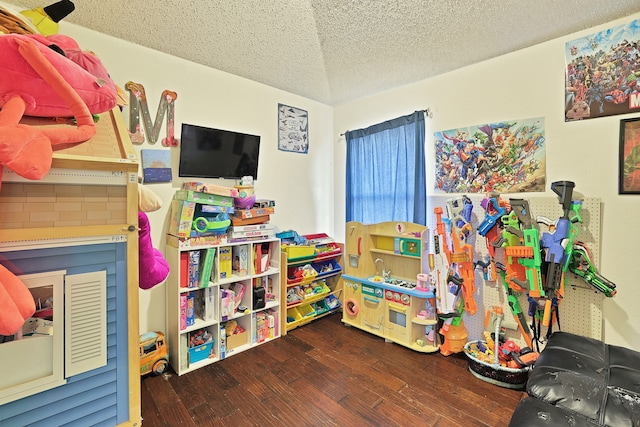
505, 157
603, 73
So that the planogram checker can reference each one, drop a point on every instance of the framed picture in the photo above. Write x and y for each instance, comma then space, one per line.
156, 165
293, 129
629, 179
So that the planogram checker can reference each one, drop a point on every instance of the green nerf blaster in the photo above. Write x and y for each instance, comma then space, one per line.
581, 265
531, 239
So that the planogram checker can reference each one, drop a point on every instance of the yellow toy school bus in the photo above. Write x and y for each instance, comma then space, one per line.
153, 353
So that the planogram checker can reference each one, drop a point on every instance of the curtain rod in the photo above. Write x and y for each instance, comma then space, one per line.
427, 112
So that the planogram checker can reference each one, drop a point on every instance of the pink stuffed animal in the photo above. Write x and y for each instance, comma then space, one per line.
16, 303
154, 269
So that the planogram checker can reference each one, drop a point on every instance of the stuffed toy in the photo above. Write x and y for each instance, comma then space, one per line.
153, 268
148, 201
37, 80
16, 303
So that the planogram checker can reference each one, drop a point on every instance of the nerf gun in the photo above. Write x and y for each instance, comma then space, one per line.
529, 256
439, 266
576, 257
556, 242
459, 212
581, 265
448, 285
516, 310
558, 246
494, 209
497, 215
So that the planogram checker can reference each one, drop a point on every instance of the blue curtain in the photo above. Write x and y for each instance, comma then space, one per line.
386, 176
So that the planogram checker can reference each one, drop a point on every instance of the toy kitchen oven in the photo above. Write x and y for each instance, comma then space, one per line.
395, 310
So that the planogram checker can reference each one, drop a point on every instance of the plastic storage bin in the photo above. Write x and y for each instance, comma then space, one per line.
300, 251
200, 352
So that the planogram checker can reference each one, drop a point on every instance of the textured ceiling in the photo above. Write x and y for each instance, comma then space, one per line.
335, 51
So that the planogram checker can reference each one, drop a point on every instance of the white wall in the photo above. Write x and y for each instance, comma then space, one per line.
525, 84
302, 185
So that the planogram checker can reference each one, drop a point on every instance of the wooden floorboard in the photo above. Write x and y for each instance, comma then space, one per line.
327, 374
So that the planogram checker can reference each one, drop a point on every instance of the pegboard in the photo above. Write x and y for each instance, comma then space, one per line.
581, 309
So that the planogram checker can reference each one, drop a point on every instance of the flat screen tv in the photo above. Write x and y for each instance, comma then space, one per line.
216, 153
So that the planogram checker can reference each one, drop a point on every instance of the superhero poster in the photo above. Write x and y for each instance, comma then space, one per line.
603, 73
506, 157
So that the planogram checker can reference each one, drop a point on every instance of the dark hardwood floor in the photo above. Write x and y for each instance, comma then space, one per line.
328, 374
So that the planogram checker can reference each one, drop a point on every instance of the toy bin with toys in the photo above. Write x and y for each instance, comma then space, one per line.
200, 345
236, 334
483, 366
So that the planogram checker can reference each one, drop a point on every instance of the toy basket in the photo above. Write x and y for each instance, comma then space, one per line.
496, 374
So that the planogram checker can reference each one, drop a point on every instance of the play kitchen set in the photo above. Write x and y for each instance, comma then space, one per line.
385, 292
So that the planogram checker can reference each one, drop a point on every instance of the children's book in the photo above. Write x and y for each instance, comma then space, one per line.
200, 304
183, 311
184, 351
210, 303
205, 304
193, 269
261, 257
207, 267
240, 260
224, 262
184, 269
191, 309
223, 343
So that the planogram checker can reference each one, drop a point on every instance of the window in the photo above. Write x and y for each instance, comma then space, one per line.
386, 172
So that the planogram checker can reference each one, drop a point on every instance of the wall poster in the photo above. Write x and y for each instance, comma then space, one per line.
603, 73
293, 129
629, 168
156, 165
505, 157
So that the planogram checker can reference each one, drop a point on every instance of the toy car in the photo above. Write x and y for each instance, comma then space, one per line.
153, 353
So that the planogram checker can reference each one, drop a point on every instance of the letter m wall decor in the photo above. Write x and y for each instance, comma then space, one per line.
137, 103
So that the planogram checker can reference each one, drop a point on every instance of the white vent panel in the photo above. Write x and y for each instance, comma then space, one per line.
85, 322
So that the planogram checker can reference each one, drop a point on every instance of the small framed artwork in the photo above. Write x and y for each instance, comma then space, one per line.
293, 129
156, 165
629, 168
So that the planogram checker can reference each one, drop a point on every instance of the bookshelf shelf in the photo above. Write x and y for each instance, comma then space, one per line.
243, 289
